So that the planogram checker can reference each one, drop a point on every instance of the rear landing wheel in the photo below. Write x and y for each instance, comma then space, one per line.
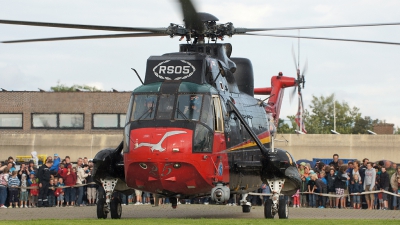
283, 210
246, 208
174, 202
116, 208
268, 214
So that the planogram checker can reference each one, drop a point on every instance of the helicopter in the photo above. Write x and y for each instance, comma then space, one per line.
194, 127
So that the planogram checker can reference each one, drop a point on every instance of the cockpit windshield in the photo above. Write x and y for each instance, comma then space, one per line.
144, 107
188, 107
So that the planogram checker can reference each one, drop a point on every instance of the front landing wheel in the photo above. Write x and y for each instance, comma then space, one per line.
101, 209
268, 213
116, 208
283, 209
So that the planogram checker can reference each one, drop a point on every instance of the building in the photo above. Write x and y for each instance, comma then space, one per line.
29, 112
384, 128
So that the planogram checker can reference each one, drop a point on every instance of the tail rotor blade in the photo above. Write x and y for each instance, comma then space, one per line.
303, 75
292, 94
294, 58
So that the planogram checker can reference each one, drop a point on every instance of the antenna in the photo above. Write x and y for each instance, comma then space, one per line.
138, 76
298, 49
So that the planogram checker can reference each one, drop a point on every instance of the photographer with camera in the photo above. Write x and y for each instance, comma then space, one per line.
23, 170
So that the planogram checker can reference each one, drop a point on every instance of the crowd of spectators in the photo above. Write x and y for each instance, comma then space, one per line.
339, 185
58, 182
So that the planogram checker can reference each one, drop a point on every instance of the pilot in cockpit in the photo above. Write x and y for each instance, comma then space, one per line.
193, 110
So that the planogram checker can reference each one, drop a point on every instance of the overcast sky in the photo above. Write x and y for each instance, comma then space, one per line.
364, 75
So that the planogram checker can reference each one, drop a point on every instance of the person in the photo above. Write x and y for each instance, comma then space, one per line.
23, 195
70, 181
13, 184
23, 170
335, 162
62, 171
55, 166
340, 185
145, 111
44, 182
35, 158
31, 167
384, 185
363, 168
34, 191
303, 188
3, 187
83, 172
378, 196
356, 189
394, 182
50, 194
296, 199
194, 108
10, 166
331, 186
67, 161
92, 189
59, 193
369, 184
311, 189
322, 189
301, 168
146, 196
138, 197
265, 190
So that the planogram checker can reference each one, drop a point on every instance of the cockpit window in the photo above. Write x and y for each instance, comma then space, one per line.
188, 107
166, 106
144, 107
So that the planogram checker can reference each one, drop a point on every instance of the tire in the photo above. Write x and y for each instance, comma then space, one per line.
246, 208
116, 208
283, 210
268, 209
101, 211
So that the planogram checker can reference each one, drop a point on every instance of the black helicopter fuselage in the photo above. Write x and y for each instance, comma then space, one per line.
182, 107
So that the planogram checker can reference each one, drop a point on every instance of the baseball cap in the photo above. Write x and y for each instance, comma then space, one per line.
303, 163
32, 172
55, 155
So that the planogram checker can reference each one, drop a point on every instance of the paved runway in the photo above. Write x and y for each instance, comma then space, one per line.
191, 211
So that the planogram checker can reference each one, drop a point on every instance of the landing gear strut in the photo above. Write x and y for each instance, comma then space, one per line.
246, 206
107, 203
276, 204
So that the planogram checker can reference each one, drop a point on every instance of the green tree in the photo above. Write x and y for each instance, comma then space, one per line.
361, 125
320, 120
397, 130
284, 128
62, 87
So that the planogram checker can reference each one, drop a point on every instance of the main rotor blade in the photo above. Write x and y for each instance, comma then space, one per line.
82, 26
88, 37
324, 38
244, 30
190, 16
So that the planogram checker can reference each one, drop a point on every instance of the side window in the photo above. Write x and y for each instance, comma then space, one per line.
207, 115
218, 120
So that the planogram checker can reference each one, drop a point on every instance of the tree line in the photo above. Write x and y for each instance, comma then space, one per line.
319, 118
